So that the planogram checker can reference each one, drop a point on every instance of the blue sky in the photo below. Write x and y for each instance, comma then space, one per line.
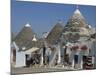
43, 16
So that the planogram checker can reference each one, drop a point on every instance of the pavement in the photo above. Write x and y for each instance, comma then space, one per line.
30, 70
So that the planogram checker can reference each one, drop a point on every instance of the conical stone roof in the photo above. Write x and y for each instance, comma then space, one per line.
55, 33
76, 27
77, 20
77, 23
25, 36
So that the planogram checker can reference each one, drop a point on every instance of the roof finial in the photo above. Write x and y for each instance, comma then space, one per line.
34, 38
77, 7
27, 25
59, 21
77, 10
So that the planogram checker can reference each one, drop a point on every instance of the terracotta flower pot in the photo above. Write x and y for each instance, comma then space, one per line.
84, 47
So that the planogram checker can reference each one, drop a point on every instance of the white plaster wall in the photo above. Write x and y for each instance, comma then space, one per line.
20, 59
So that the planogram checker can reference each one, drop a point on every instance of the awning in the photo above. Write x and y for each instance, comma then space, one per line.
33, 49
